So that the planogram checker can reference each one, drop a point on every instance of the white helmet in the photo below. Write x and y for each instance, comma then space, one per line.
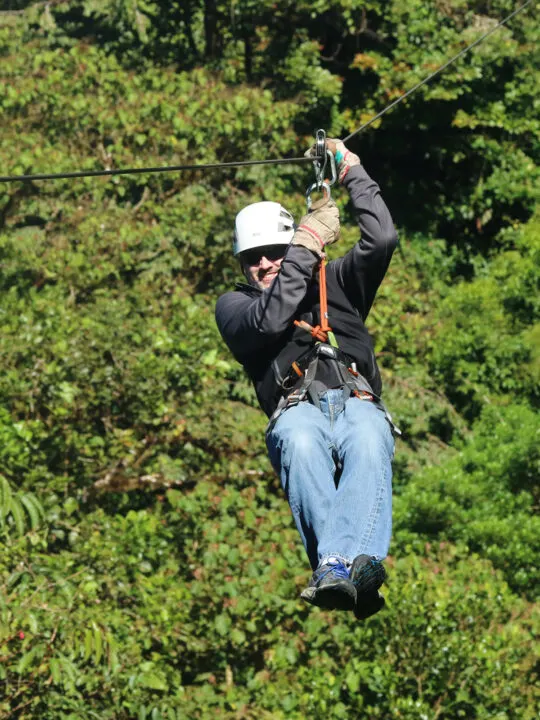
260, 224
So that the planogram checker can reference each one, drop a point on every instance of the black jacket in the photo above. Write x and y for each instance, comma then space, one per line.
258, 325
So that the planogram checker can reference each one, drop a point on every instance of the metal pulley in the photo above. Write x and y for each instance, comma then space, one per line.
324, 158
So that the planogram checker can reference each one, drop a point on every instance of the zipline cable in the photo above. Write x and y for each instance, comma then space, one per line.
439, 70
243, 163
166, 168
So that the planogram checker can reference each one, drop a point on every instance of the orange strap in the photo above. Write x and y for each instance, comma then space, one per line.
325, 327
319, 332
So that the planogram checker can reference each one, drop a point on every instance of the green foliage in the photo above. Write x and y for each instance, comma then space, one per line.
484, 496
18, 510
486, 339
150, 567
107, 627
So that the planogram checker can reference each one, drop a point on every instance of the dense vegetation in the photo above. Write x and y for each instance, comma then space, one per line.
149, 567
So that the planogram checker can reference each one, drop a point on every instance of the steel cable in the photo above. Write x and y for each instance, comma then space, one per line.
436, 72
277, 161
166, 168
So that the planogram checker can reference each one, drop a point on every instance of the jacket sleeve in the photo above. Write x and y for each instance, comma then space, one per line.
362, 269
249, 323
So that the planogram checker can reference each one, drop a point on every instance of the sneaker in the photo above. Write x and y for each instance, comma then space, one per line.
330, 587
367, 576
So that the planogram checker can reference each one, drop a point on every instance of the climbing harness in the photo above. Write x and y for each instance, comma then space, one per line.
301, 384
300, 381
277, 161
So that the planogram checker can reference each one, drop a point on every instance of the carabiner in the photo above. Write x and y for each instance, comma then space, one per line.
319, 163
324, 187
324, 157
332, 163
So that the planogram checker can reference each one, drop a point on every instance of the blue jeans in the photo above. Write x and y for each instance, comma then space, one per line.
338, 514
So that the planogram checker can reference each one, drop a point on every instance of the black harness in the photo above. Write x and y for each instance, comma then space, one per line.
301, 383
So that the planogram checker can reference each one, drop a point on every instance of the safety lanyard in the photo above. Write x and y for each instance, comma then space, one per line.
323, 331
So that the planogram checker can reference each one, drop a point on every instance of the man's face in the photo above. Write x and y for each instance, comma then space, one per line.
262, 265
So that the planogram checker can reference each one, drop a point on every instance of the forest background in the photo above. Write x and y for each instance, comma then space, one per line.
150, 569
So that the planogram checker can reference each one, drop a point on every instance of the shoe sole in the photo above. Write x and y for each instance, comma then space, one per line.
338, 596
368, 604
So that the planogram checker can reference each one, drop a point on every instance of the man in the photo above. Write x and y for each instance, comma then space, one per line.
329, 438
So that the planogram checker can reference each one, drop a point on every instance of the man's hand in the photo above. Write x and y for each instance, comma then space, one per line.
320, 227
345, 159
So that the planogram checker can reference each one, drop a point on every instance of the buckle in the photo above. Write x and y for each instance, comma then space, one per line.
323, 349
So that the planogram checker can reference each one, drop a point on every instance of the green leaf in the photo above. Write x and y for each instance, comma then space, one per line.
28, 658
153, 681
352, 680
5, 498
17, 514
222, 624
54, 667
33, 508
98, 644
88, 643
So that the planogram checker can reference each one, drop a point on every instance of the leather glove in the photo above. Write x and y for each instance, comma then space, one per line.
345, 159
320, 227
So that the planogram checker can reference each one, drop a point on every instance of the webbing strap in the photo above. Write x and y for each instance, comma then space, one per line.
322, 332
309, 377
325, 327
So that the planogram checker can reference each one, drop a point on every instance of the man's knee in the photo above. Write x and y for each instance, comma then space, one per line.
367, 426
299, 431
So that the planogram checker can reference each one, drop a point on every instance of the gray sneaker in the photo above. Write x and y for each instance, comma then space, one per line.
330, 587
